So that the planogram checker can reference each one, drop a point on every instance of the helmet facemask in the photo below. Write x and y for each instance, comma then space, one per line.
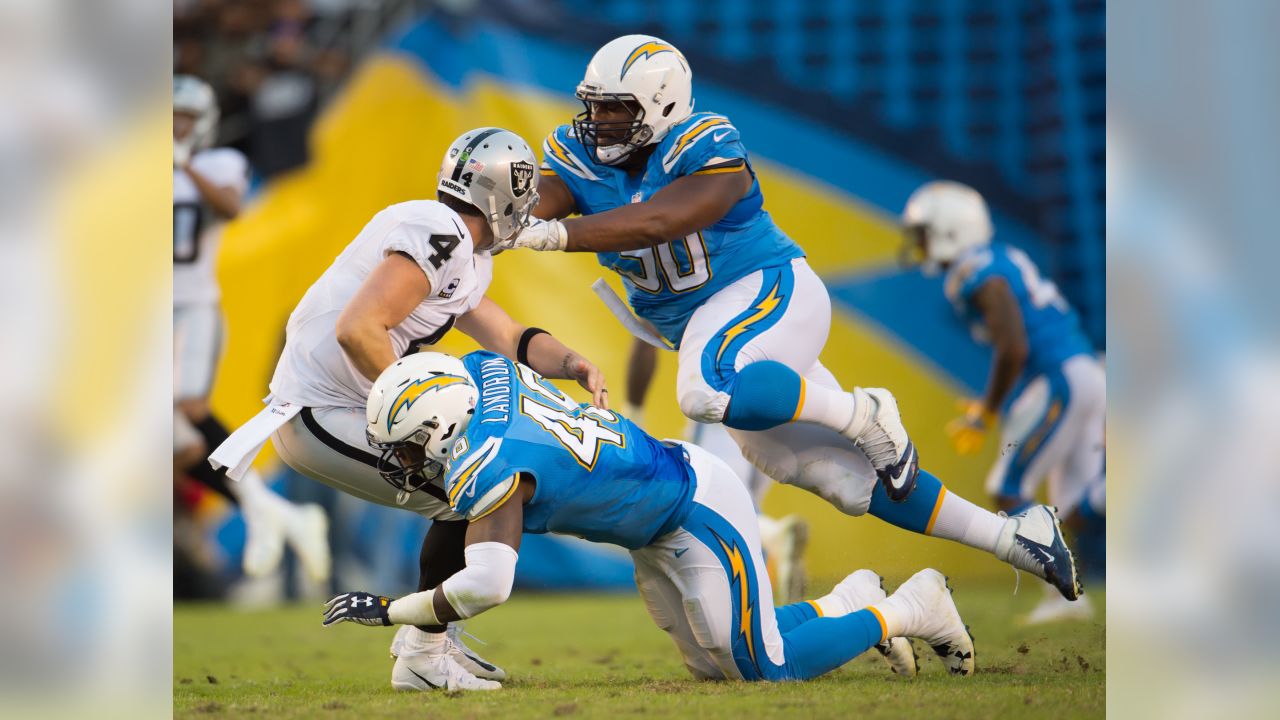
914, 250
405, 464
512, 220
611, 142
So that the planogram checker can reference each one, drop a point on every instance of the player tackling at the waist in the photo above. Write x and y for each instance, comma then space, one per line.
523, 457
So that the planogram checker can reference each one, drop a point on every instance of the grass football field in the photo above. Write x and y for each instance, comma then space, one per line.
599, 656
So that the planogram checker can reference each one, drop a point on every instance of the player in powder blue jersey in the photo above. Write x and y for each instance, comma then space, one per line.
521, 457
1045, 388
669, 199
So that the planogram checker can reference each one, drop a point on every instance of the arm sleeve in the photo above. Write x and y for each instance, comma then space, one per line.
486, 580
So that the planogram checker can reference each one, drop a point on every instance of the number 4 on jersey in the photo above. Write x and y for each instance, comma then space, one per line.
443, 246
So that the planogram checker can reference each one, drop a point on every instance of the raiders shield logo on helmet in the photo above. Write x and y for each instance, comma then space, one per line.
521, 177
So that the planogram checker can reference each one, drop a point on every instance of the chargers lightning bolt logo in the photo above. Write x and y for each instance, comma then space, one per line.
762, 310
746, 608
414, 390
646, 50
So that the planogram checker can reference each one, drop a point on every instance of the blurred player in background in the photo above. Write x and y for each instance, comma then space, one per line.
209, 185
740, 303
417, 270
1045, 388
783, 539
524, 457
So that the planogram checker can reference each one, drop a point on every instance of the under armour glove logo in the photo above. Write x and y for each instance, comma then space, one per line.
359, 607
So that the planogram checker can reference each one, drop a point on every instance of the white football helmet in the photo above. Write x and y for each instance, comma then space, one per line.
495, 171
942, 220
639, 69
193, 95
416, 410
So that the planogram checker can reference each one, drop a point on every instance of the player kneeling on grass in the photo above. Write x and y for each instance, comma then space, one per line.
521, 456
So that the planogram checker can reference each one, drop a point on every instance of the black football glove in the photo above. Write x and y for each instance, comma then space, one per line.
359, 607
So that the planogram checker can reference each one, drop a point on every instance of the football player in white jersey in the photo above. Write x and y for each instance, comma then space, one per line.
417, 270
208, 187
668, 199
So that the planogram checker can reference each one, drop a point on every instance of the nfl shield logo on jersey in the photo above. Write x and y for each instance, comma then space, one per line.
521, 177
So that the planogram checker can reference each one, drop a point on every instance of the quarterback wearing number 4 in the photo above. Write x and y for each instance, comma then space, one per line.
670, 201
523, 457
416, 270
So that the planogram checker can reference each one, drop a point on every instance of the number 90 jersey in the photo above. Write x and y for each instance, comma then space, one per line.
665, 284
1052, 327
598, 476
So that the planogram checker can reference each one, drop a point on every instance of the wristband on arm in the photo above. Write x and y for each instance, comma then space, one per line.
522, 350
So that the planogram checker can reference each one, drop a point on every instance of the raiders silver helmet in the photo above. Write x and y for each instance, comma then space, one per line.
495, 171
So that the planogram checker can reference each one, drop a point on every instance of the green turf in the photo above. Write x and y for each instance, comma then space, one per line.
591, 656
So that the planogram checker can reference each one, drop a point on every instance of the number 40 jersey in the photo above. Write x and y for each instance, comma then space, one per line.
313, 370
598, 476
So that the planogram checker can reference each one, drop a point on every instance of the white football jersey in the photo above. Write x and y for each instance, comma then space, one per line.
313, 370
197, 228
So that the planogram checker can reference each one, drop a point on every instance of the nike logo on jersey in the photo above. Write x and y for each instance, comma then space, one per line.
681, 551
720, 135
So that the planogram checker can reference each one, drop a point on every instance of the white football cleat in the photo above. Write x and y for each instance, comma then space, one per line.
784, 543
877, 429
263, 541
468, 659
1032, 541
425, 661
922, 607
463, 655
422, 672
864, 588
1055, 608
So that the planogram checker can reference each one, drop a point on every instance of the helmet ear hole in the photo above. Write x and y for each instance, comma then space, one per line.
510, 209
667, 110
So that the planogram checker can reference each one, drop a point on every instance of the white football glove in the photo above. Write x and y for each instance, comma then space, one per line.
541, 235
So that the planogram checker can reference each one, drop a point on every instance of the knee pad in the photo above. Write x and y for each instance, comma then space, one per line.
702, 404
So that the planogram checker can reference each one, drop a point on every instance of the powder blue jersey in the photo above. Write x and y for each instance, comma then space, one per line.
598, 476
1053, 329
667, 283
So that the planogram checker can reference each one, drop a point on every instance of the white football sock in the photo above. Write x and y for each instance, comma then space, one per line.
829, 407
962, 521
833, 605
421, 641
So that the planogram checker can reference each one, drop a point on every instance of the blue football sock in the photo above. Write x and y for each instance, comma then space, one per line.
916, 512
824, 644
794, 615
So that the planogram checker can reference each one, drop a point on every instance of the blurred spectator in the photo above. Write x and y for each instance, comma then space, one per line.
272, 64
